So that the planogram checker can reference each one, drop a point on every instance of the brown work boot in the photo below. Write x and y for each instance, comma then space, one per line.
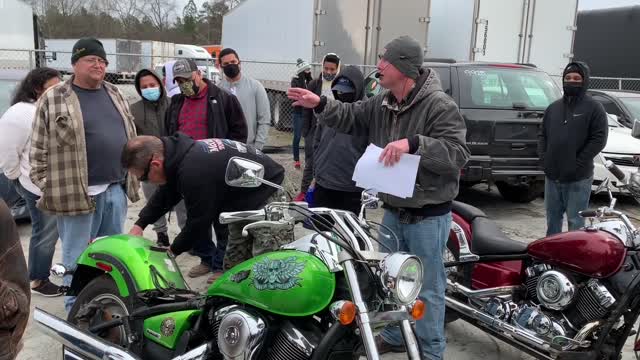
384, 347
199, 270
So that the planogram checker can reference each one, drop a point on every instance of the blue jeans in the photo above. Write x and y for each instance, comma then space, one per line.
298, 120
44, 235
77, 231
571, 198
427, 240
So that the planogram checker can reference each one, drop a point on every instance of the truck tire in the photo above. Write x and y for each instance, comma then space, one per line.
520, 193
281, 112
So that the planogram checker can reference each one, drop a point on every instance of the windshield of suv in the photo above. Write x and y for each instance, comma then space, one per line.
633, 104
489, 87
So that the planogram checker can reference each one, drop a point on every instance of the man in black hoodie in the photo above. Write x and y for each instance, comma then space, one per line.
148, 115
335, 154
320, 86
195, 171
574, 130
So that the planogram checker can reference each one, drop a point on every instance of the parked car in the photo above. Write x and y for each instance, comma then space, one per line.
7, 192
502, 105
621, 103
622, 149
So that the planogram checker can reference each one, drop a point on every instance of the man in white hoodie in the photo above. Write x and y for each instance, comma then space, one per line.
15, 144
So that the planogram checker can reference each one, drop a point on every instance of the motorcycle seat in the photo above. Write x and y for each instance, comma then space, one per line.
488, 239
466, 211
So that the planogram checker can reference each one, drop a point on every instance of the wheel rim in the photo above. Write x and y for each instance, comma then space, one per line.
112, 308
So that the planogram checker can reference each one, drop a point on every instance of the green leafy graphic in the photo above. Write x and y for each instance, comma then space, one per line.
277, 274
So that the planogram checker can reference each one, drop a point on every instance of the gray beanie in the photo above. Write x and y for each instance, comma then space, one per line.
405, 54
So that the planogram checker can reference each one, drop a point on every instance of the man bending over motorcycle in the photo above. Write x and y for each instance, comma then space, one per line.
195, 170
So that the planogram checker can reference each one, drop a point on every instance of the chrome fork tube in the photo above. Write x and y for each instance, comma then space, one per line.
410, 340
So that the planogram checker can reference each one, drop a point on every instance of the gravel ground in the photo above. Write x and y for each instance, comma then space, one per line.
524, 222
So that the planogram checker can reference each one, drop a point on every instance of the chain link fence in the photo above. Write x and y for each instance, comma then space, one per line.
614, 83
122, 68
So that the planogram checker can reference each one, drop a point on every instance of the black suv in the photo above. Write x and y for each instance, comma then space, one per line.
503, 106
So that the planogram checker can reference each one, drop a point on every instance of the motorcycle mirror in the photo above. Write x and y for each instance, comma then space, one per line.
58, 270
244, 173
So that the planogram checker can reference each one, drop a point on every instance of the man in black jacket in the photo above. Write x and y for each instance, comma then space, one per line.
301, 80
321, 87
195, 171
203, 111
574, 130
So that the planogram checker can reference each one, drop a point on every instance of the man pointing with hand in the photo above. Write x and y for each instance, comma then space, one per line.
414, 116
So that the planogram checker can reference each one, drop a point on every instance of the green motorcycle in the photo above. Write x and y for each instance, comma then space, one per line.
319, 297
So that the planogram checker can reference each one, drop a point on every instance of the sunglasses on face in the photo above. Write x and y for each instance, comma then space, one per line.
145, 175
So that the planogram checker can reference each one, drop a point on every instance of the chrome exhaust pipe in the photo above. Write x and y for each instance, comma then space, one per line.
77, 340
496, 291
93, 347
496, 324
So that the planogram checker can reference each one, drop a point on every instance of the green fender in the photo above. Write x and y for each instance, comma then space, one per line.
131, 261
288, 283
167, 329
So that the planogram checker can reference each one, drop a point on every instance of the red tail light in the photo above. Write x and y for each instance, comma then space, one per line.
636, 347
104, 267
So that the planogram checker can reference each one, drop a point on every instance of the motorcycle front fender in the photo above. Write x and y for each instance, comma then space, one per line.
131, 261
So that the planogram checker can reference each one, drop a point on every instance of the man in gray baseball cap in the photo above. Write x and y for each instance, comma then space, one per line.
413, 116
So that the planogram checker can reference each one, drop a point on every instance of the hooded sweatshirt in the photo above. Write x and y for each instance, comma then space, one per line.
574, 130
320, 87
432, 123
195, 171
149, 116
335, 154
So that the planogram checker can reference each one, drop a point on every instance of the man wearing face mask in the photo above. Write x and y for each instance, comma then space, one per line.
574, 130
148, 115
252, 96
204, 111
335, 154
322, 87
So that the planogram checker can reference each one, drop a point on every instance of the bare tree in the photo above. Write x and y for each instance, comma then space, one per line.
160, 12
126, 11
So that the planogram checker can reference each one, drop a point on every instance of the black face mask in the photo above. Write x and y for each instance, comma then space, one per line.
231, 70
307, 75
344, 97
572, 88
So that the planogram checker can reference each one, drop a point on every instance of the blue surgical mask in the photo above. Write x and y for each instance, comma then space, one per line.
151, 94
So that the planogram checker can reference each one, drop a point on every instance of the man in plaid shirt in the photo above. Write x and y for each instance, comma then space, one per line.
79, 131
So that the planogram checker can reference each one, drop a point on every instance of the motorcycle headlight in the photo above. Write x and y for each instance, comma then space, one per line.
402, 277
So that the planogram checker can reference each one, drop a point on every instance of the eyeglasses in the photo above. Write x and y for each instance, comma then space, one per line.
145, 175
96, 61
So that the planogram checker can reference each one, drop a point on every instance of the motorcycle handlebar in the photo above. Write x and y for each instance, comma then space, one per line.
251, 215
589, 213
615, 170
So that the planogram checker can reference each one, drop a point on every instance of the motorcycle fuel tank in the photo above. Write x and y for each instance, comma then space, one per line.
289, 283
595, 254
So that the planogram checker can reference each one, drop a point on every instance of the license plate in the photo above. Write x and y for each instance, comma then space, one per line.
68, 354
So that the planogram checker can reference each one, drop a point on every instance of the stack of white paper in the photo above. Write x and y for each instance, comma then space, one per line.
397, 180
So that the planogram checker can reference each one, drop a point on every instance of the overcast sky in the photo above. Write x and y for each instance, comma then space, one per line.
584, 4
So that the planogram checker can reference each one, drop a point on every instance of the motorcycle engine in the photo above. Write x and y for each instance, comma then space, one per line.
555, 290
240, 334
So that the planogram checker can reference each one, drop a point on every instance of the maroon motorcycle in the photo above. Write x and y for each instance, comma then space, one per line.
574, 295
